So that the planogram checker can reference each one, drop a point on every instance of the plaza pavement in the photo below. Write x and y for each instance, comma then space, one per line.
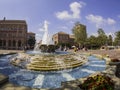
73, 85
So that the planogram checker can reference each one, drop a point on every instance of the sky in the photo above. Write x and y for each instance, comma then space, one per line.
63, 14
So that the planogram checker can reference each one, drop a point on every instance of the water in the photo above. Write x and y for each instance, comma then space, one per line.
41, 53
49, 79
46, 40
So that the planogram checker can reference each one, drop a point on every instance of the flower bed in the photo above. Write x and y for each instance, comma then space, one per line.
97, 82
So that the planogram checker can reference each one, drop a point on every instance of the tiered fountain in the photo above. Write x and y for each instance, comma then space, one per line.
49, 70
47, 62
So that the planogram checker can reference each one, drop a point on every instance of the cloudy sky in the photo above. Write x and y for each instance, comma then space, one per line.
62, 14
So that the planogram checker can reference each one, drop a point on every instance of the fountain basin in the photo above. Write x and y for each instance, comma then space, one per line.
49, 62
38, 79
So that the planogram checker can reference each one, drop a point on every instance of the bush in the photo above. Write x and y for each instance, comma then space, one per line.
98, 82
115, 60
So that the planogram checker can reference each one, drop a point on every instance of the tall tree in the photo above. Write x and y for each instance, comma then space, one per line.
93, 42
80, 34
100, 32
110, 40
102, 37
117, 38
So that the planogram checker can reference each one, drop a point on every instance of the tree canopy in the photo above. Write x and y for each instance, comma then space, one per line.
117, 38
80, 34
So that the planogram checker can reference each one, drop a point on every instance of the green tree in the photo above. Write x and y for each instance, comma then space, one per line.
102, 37
31, 42
110, 40
93, 42
100, 32
117, 38
80, 34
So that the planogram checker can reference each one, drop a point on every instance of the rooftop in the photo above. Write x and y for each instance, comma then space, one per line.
4, 21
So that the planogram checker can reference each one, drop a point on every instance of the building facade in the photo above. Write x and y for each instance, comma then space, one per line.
61, 37
13, 34
64, 39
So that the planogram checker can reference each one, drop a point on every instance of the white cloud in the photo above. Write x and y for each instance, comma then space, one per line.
95, 34
111, 21
110, 33
63, 27
63, 15
99, 20
75, 7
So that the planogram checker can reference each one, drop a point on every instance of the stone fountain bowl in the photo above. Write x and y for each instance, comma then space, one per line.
49, 62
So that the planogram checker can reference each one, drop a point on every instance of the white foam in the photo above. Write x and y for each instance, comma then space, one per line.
39, 80
68, 76
97, 65
97, 61
88, 71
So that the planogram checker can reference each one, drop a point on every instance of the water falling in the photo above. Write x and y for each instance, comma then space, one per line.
46, 40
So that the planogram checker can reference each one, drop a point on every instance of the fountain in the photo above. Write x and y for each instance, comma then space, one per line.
48, 59
47, 44
48, 68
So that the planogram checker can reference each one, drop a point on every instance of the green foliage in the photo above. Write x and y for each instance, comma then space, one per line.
49, 48
102, 37
117, 38
93, 42
31, 42
79, 31
101, 40
100, 32
110, 40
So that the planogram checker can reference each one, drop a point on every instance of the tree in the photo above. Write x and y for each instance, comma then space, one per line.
31, 42
100, 32
110, 40
117, 38
102, 37
93, 42
80, 34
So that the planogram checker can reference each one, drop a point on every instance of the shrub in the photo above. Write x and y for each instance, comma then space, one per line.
115, 60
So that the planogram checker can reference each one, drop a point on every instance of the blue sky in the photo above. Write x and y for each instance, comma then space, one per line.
62, 14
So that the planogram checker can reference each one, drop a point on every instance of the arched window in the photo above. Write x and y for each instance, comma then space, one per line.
19, 43
9, 43
4, 42
14, 43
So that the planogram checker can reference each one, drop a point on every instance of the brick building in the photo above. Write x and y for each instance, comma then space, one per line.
63, 38
13, 34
